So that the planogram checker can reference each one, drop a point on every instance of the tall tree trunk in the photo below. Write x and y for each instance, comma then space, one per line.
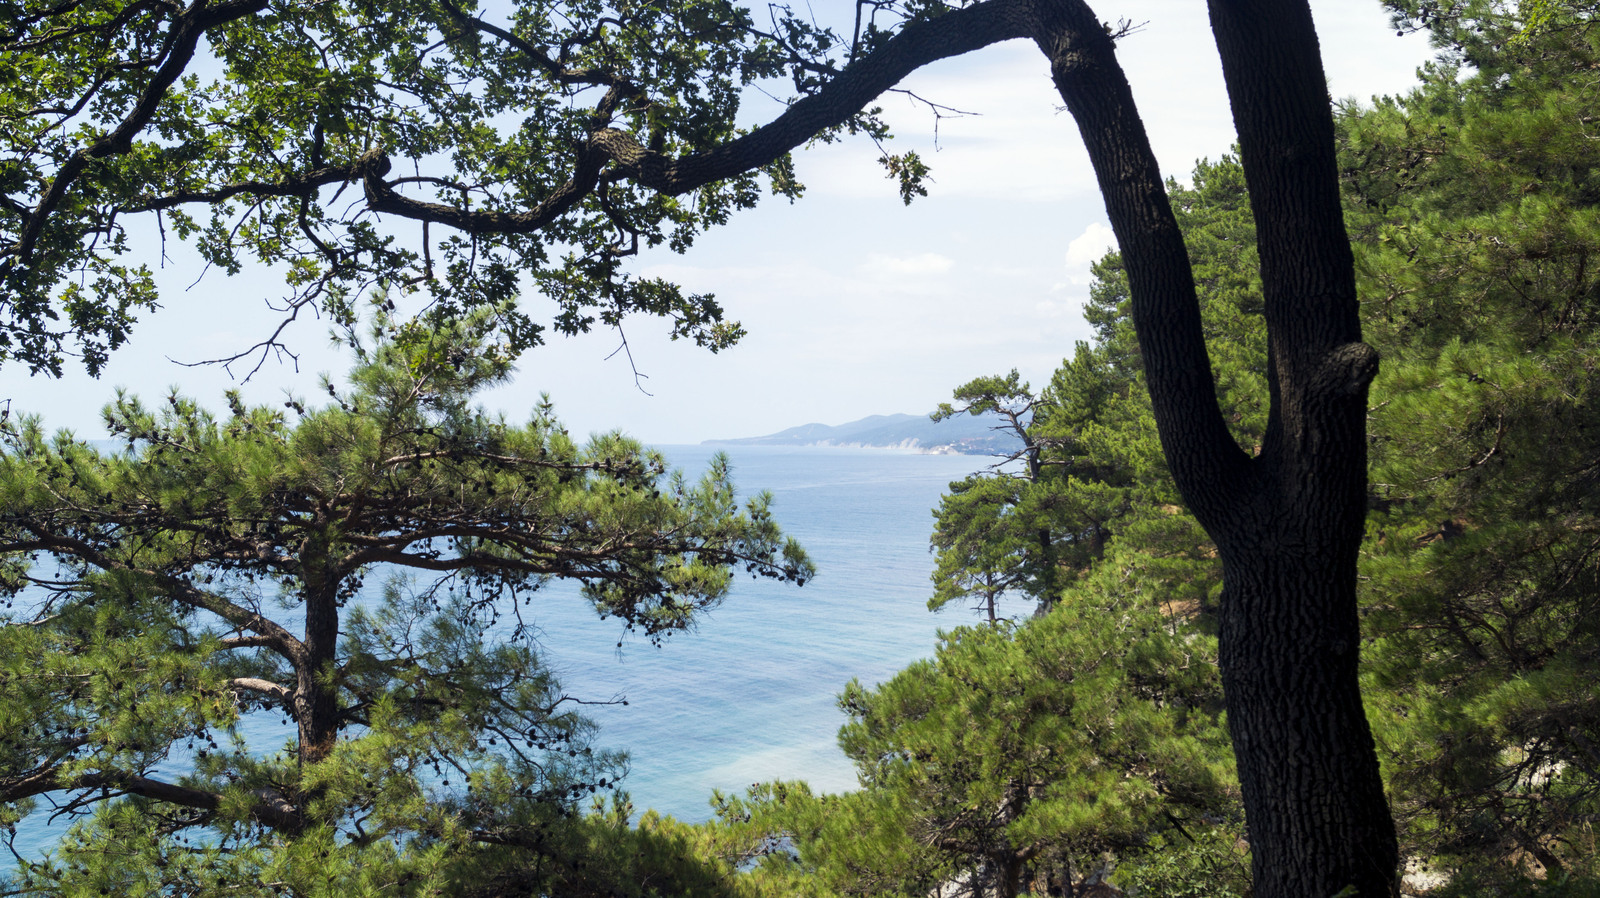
1317, 818
316, 697
1290, 632
1288, 522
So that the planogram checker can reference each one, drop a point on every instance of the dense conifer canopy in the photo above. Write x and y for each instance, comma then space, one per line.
210, 573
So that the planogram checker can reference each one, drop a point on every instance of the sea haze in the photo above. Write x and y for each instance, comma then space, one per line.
963, 434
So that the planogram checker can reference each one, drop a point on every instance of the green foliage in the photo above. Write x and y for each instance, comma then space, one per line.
1031, 756
1036, 755
1479, 883
825, 846
991, 534
518, 131
214, 570
909, 171
1015, 756
986, 546
1021, 756
1476, 202
1473, 204
1499, 37
605, 855
1210, 862
1089, 464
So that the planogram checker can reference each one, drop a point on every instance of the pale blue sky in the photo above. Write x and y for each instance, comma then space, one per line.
855, 304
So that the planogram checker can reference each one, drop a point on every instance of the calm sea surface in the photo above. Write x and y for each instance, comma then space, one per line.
749, 695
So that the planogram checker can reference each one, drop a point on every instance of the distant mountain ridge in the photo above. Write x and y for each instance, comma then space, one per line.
963, 434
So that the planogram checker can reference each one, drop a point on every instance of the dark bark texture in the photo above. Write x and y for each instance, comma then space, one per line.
1288, 522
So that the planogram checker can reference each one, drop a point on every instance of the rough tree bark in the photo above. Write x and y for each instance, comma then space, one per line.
1288, 521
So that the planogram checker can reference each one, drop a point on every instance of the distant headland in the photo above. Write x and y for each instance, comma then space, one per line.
961, 435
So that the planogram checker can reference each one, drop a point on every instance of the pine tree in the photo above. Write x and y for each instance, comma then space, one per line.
1036, 755
1476, 201
626, 134
1017, 761
212, 571
1040, 514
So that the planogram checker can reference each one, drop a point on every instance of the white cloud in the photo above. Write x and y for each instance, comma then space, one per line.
1089, 246
1051, 309
917, 265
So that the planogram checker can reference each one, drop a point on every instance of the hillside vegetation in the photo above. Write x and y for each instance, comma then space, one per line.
1071, 741
1076, 736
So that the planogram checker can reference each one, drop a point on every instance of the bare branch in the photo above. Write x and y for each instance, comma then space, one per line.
270, 810
262, 687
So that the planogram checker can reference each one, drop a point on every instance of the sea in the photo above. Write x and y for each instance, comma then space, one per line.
749, 694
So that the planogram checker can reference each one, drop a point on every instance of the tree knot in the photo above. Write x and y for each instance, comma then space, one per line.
372, 166
1348, 369
373, 163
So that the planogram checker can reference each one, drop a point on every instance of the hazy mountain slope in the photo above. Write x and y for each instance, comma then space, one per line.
962, 434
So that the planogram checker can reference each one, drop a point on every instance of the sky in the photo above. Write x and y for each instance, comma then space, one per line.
854, 303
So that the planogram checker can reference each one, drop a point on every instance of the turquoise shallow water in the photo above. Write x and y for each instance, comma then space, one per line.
749, 694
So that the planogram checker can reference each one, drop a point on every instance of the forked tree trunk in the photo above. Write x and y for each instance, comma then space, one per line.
1287, 522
